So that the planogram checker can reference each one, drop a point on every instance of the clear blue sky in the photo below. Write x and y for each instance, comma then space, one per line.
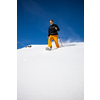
33, 18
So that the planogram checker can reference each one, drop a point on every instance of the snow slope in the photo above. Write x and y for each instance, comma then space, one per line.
51, 75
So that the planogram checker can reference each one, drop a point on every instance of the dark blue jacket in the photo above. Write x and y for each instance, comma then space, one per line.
52, 30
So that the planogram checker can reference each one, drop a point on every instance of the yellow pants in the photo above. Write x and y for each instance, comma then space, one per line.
51, 37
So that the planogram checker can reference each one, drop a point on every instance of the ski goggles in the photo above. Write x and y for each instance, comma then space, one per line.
51, 22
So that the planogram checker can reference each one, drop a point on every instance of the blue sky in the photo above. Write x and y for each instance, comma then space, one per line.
33, 18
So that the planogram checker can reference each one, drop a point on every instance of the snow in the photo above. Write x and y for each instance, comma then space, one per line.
51, 75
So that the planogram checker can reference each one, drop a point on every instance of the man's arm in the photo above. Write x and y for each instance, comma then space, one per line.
57, 28
49, 32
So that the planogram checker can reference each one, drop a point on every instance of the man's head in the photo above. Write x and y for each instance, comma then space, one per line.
51, 22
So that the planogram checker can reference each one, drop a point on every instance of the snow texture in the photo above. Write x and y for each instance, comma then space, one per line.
51, 75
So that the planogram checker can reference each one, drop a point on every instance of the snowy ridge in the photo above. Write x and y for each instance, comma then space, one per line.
51, 75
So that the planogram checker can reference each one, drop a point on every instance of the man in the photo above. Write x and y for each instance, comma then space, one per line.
52, 34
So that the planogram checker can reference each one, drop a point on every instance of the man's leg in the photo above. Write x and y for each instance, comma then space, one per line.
50, 41
56, 40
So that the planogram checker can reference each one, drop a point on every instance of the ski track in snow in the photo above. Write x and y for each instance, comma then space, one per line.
51, 75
